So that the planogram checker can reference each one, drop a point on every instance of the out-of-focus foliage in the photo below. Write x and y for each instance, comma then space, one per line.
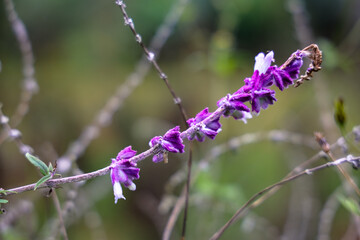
83, 52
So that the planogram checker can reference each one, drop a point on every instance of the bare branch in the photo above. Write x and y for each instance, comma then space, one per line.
30, 86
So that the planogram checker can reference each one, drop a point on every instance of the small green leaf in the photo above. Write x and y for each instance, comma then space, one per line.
38, 163
57, 175
42, 180
3, 201
339, 115
350, 204
5, 192
51, 168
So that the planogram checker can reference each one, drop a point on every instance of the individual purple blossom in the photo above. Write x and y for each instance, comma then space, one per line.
210, 130
170, 142
234, 105
293, 68
261, 99
122, 170
283, 77
255, 86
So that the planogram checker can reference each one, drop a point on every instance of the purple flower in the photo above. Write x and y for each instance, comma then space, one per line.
170, 142
234, 104
210, 130
260, 96
293, 68
282, 78
122, 170
261, 99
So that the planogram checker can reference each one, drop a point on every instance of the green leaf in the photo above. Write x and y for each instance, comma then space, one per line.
42, 180
350, 204
5, 192
38, 163
339, 114
3, 201
51, 168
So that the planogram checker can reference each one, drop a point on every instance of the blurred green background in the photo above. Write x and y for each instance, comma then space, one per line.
83, 52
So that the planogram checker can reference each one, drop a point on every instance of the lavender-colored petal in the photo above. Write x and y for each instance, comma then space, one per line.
282, 79
202, 115
154, 141
172, 137
126, 153
267, 79
255, 105
131, 186
293, 68
262, 99
214, 125
234, 102
286, 79
121, 175
278, 80
158, 157
132, 172
257, 83
199, 117
169, 146
191, 121
241, 96
113, 175
209, 132
238, 105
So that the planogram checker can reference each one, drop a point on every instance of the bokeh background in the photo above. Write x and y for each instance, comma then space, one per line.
84, 52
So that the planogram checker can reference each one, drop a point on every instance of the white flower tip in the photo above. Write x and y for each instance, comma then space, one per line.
262, 62
246, 115
132, 187
118, 193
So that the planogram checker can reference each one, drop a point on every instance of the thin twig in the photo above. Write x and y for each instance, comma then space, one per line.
53, 183
59, 212
151, 57
30, 86
13, 134
327, 216
305, 36
115, 102
235, 143
326, 148
187, 190
310, 171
